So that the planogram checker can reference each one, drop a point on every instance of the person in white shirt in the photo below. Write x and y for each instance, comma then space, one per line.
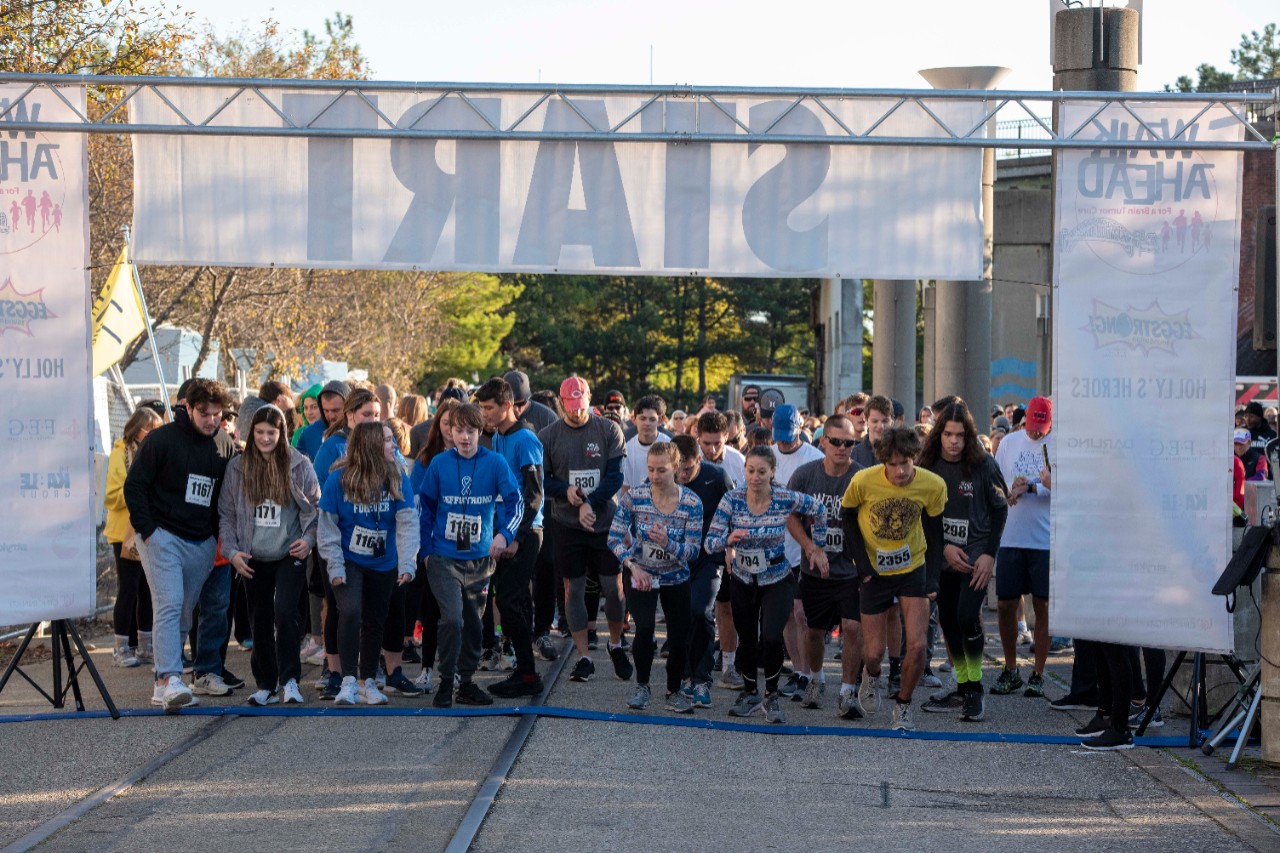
648, 416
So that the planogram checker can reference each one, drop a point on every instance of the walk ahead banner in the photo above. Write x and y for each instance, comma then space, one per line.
1146, 253
47, 538
631, 208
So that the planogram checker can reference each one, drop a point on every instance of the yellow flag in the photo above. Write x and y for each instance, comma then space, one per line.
117, 317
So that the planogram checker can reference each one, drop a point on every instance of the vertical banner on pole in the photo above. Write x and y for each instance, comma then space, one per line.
1146, 255
47, 537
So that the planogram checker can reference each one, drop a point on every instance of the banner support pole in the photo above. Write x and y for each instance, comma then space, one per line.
146, 318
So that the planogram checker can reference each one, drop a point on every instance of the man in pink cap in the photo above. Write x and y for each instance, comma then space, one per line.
582, 467
1022, 564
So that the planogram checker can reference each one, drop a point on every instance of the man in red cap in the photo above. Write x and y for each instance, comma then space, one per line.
1022, 564
582, 466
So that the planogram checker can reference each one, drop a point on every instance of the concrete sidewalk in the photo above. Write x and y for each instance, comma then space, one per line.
381, 783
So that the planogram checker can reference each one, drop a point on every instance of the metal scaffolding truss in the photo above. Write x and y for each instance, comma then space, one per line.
115, 94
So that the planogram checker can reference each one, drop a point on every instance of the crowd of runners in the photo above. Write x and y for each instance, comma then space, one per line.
402, 544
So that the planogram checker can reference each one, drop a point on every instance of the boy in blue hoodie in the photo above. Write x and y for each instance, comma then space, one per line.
471, 506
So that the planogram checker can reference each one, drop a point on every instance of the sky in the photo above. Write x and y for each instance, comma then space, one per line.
808, 43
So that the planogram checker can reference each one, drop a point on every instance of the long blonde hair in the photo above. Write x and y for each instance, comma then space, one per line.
366, 471
143, 418
266, 477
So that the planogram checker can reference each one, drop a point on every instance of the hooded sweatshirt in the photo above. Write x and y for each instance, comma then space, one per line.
175, 481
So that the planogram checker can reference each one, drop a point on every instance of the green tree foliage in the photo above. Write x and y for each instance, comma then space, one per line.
474, 314
1257, 58
682, 337
90, 36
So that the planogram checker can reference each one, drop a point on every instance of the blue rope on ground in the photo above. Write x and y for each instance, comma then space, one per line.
692, 722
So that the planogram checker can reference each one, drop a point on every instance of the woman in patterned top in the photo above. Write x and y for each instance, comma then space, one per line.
662, 522
749, 526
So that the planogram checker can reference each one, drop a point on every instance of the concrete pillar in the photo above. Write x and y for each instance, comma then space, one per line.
893, 343
928, 310
1096, 50
840, 307
961, 361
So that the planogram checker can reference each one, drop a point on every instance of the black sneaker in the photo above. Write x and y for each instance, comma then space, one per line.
974, 708
1109, 740
583, 670
1008, 682
470, 693
621, 663
443, 697
1135, 719
410, 654
545, 648
1094, 727
1074, 703
517, 684
593, 640
791, 686
396, 681
330, 690
233, 681
802, 687
953, 701
1035, 686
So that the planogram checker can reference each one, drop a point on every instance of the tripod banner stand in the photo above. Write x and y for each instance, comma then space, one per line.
65, 636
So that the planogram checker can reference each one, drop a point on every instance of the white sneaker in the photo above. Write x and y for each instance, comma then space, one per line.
871, 693
371, 694
312, 654
424, 679
903, 719
262, 698
124, 657
347, 692
176, 695
211, 685
930, 680
292, 695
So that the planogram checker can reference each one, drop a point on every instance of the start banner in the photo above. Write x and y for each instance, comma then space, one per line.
616, 207
1146, 256
48, 566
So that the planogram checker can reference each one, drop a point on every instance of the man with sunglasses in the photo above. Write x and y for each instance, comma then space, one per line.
828, 593
537, 415
750, 404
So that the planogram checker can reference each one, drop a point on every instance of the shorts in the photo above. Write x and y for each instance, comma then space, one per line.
880, 593
1022, 570
577, 552
727, 580
827, 601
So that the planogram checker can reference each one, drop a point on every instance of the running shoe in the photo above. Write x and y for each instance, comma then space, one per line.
792, 686
1071, 702
508, 654
517, 684
1109, 741
621, 663
1135, 719
871, 694
746, 704
1035, 686
262, 698
930, 680
848, 708
773, 710
639, 700
1024, 637
312, 654
974, 708
1061, 647
424, 680
443, 698
323, 680
1008, 682
370, 694
232, 680
951, 702
812, 694
410, 654
903, 718
583, 670
123, 657
731, 679
679, 703
702, 695
1095, 726
942, 693
401, 684
210, 684
332, 687
348, 692
145, 653
470, 693
292, 695
174, 696
545, 648
490, 661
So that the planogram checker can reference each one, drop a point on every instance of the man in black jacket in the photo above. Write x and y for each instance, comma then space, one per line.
172, 494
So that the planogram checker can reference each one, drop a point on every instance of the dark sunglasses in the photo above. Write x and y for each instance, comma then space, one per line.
856, 410
842, 442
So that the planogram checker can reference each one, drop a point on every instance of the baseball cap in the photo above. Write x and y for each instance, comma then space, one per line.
1040, 412
770, 399
453, 393
751, 392
1002, 424
519, 382
786, 423
1242, 436
615, 398
898, 410
574, 393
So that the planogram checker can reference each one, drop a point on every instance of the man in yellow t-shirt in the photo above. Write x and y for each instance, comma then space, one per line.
893, 534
